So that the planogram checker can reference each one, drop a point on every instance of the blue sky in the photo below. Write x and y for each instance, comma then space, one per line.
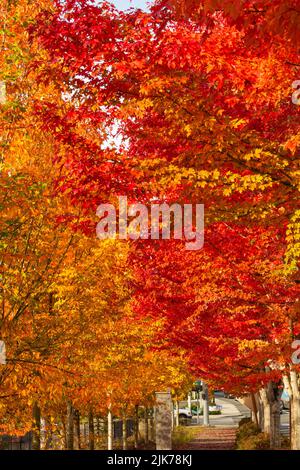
124, 4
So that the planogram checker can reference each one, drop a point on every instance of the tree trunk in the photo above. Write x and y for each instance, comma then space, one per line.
176, 413
294, 393
77, 429
287, 386
270, 398
146, 426
70, 426
255, 411
48, 441
136, 427
260, 412
124, 432
36, 427
63, 443
98, 426
295, 431
275, 440
109, 431
152, 425
44, 433
266, 411
91, 431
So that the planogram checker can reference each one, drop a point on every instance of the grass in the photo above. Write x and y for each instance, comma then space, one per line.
184, 434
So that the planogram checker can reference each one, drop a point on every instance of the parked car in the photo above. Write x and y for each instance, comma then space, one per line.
213, 409
185, 416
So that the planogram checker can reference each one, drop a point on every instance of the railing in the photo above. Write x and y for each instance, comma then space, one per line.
16, 443
25, 442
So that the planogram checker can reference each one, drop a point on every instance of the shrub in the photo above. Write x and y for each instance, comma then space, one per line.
249, 437
245, 420
247, 429
285, 443
258, 441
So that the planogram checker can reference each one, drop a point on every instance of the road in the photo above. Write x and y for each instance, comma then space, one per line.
233, 411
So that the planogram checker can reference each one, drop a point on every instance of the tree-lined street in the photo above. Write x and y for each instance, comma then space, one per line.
149, 220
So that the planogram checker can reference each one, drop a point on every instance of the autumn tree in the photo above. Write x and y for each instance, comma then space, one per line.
199, 96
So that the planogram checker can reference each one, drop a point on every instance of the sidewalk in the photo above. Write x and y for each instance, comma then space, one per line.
213, 439
221, 434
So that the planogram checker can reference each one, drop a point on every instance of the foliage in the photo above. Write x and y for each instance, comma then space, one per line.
187, 103
249, 437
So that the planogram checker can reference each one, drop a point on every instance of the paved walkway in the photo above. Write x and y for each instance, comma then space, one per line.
213, 439
222, 433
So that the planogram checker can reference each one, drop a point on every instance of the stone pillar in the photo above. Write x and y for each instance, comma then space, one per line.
163, 421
